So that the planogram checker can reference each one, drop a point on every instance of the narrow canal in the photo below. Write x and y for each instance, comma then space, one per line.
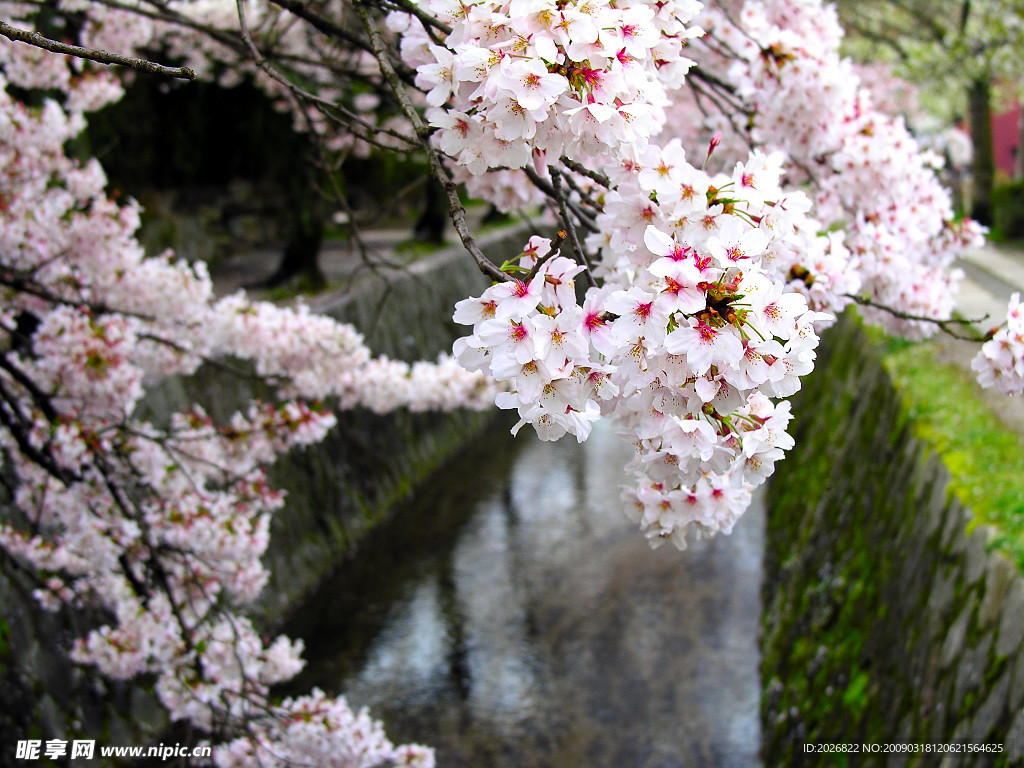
514, 618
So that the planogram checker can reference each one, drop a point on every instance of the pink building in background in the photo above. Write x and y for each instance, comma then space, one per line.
1006, 138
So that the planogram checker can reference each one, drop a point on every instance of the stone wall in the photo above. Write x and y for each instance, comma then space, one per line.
885, 620
337, 490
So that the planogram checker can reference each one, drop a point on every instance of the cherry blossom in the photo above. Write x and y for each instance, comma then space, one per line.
722, 185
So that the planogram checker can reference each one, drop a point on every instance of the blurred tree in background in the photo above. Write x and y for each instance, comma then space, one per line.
185, 147
961, 53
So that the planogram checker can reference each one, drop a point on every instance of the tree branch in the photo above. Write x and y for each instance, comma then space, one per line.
458, 211
946, 326
581, 169
92, 54
577, 246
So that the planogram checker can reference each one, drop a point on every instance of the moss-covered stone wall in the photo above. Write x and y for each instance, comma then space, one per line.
886, 619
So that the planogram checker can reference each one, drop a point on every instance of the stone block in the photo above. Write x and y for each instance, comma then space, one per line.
1016, 697
953, 645
1015, 740
934, 516
905, 730
938, 729
976, 556
940, 599
959, 541
1011, 620
956, 518
970, 670
1000, 574
991, 710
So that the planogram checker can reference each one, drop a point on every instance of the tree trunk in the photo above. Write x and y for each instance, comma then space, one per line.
984, 166
303, 221
300, 262
433, 220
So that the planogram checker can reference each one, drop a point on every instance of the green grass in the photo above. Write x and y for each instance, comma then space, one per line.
414, 249
984, 457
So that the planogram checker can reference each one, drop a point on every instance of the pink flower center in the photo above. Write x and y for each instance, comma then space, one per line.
592, 77
679, 253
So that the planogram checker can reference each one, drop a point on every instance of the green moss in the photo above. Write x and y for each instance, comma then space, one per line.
984, 457
414, 248
845, 511
856, 695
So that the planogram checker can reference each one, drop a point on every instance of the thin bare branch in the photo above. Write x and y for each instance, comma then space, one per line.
581, 255
419, 13
93, 54
458, 211
947, 326
581, 169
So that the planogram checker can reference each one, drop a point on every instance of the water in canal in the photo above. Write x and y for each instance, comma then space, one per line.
514, 618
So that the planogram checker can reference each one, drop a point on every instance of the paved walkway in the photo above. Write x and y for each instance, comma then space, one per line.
383, 254
338, 260
992, 274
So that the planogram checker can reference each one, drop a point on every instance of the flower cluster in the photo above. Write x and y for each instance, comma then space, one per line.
533, 337
709, 328
866, 171
1000, 362
315, 726
547, 78
161, 526
692, 332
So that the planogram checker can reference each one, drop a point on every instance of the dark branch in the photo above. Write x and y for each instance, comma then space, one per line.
581, 255
458, 211
946, 326
581, 169
92, 54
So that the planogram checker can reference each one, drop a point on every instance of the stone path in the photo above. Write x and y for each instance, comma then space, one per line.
384, 255
339, 262
992, 274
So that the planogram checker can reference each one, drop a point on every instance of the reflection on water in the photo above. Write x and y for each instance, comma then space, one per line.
521, 621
